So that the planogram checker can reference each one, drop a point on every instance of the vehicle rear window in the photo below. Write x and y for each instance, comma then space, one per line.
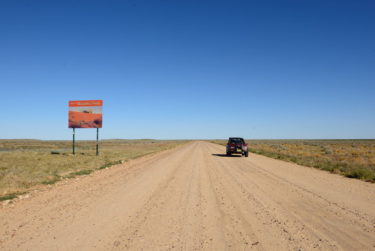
236, 141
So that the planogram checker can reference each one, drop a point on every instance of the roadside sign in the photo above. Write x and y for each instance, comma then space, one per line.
85, 114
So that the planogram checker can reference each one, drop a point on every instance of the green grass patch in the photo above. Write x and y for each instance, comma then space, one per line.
361, 173
81, 172
8, 197
51, 181
109, 164
11, 196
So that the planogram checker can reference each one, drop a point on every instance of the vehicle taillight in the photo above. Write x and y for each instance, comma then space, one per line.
245, 144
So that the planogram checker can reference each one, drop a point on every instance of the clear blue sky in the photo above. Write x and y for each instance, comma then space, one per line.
189, 69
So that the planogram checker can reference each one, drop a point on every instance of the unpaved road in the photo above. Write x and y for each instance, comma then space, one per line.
192, 198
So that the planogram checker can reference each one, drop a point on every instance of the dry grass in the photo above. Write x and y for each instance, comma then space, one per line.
351, 158
25, 163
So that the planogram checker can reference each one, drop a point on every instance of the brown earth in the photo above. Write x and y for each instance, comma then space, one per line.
194, 198
84, 120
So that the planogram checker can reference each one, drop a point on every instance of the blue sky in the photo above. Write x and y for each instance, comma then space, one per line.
189, 69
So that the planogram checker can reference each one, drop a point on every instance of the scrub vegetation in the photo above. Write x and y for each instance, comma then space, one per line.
26, 163
351, 158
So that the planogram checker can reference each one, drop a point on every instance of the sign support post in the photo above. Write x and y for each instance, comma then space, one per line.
97, 141
74, 140
85, 114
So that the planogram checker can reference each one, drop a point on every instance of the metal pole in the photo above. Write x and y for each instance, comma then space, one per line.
74, 140
97, 141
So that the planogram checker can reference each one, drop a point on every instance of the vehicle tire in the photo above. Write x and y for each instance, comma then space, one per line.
228, 153
246, 154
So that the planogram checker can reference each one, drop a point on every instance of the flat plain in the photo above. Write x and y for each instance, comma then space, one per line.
350, 158
27, 163
193, 197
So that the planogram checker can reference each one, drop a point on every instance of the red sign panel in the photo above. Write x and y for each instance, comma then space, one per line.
85, 114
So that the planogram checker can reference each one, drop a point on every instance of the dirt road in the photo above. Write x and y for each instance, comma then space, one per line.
194, 198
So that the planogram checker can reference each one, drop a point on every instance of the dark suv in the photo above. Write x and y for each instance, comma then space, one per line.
237, 145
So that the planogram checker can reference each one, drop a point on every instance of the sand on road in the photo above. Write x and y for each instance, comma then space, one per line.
195, 198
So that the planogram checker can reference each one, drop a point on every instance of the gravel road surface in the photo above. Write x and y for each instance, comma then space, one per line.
193, 197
